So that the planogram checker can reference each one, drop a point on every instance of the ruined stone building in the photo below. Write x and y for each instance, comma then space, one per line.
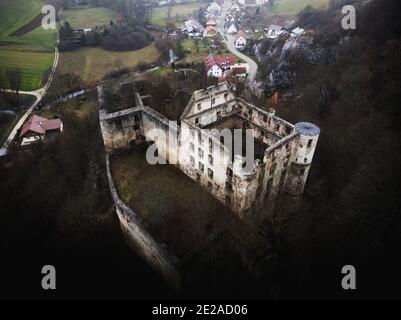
283, 152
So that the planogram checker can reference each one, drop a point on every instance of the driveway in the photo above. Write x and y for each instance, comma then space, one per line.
229, 41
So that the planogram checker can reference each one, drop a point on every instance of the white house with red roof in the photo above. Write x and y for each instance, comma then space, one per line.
38, 128
191, 26
274, 31
240, 39
209, 32
230, 27
214, 9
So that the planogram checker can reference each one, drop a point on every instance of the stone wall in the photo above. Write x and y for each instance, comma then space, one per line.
284, 154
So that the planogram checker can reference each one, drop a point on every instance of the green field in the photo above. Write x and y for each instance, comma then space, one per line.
16, 13
88, 18
32, 64
293, 7
179, 13
32, 52
86, 62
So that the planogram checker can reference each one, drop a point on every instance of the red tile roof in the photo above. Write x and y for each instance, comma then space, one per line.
226, 60
240, 34
239, 70
40, 125
230, 60
211, 22
210, 30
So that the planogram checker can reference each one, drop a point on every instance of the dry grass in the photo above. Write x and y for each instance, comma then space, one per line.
92, 64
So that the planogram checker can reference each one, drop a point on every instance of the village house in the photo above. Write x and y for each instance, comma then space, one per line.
231, 28
246, 183
235, 7
215, 71
192, 26
234, 72
223, 67
274, 31
211, 22
297, 32
38, 128
240, 39
214, 9
230, 17
252, 3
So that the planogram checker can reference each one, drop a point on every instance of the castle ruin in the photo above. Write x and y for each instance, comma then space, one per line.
282, 158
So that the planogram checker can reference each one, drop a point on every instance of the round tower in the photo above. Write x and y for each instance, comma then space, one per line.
302, 156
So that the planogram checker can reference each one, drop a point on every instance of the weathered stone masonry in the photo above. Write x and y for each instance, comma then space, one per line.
136, 235
140, 240
283, 165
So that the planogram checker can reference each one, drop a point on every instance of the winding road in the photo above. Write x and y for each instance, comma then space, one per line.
39, 94
229, 41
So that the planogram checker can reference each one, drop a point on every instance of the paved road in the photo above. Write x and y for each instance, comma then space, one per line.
39, 94
253, 67
229, 41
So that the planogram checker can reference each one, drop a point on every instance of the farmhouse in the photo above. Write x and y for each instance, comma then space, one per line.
214, 9
231, 28
38, 129
209, 32
274, 31
244, 180
214, 71
211, 22
192, 26
235, 7
223, 62
297, 32
230, 17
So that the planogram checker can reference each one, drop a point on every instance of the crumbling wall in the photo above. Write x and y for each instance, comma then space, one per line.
140, 240
162, 132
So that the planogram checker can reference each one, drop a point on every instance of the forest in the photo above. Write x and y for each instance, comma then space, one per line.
350, 213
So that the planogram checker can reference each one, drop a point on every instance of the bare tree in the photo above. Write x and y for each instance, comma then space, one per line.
170, 9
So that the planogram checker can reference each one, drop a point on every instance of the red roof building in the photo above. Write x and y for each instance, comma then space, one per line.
39, 126
211, 22
241, 34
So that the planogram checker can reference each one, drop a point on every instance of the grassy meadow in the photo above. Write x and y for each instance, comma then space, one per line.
32, 52
92, 64
293, 7
88, 18
179, 13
